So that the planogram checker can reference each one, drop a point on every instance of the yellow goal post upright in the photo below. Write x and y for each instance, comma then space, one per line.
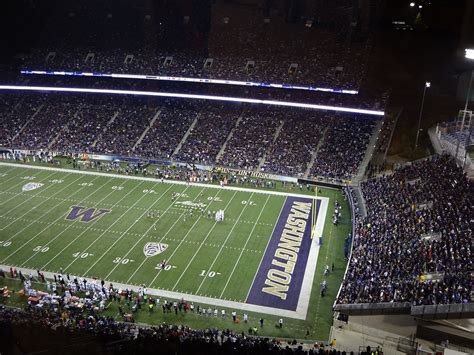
314, 214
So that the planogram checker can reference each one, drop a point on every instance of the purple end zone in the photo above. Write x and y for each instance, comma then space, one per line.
287, 299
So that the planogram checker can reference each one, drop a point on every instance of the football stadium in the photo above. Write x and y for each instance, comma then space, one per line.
237, 176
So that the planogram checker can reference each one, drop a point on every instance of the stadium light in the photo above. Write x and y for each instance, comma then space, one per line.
192, 80
469, 53
427, 86
191, 96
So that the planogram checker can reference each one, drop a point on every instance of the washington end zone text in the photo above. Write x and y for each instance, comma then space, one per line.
279, 279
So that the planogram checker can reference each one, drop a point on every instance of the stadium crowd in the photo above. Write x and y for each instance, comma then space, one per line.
14, 113
414, 245
71, 307
290, 154
206, 139
120, 337
250, 139
84, 127
279, 140
164, 136
343, 148
80, 38
126, 128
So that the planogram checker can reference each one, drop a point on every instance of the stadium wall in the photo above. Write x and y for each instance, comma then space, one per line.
323, 182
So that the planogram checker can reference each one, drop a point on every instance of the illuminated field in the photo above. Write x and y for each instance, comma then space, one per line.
259, 260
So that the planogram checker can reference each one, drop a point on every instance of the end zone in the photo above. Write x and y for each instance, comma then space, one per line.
284, 278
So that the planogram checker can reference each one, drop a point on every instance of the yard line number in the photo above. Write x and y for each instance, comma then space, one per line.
123, 261
81, 255
40, 249
209, 273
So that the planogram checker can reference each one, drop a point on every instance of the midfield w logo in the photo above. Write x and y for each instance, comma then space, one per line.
86, 214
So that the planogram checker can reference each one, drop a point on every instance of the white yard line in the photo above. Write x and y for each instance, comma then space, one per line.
146, 232
31, 196
89, 226
222, 246
243, 248
13, 177
164, 236
174, 209
264, 251
200, 246
184, 238
36, 206
7, 173
124, 232
39, 218
82, 227
232, 188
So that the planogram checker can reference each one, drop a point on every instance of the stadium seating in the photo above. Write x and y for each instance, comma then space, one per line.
324, 57
123, 337
250, 139
279, 141
290, 154
415, 243
206, 139
343, 148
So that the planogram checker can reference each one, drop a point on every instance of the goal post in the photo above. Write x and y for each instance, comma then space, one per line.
313, 214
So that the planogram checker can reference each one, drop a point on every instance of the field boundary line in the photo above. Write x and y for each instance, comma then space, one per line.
311, 264
200, 245
89, 225
225, 241
243, 248
175, 182
123, 233
178, 295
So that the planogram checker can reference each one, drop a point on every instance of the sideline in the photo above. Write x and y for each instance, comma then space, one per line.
176, 295
176, 182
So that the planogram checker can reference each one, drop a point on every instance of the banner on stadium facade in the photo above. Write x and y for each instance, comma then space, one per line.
255, 174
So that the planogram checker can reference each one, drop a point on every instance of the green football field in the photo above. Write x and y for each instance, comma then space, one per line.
97, 226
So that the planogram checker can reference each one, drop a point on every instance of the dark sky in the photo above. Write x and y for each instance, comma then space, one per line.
21, 21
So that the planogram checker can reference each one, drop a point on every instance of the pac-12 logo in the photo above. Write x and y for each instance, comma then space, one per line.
31, 186
152, 249
86, 214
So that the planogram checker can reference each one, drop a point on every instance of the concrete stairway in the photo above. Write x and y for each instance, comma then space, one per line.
27, 122
368, 154
275, 137
145, 131
186, 135
99, 137
315, 154
231, 133
62, 130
